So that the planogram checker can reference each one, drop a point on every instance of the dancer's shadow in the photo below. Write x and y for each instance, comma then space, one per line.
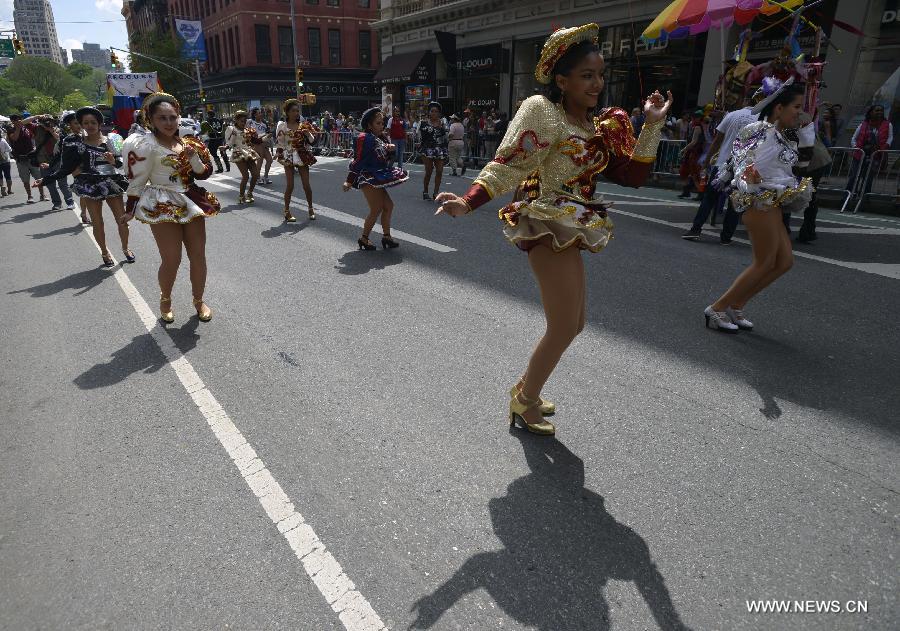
84, 280
70, 230
358, 262
561, 548
22, 218
283, 229
142, 354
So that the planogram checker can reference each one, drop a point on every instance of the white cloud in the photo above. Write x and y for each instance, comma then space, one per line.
112, 6
71, 43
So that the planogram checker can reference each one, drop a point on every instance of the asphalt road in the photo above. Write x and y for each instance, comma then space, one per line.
331, 450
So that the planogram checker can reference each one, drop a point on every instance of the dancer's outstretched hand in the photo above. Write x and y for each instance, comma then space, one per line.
655, 108
451, 204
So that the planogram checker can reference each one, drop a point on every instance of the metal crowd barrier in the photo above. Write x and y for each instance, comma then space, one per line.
882, 177
836, 175
668, 157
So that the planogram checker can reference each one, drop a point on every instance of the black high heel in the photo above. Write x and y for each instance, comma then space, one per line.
388, 242
365, 244
426, 196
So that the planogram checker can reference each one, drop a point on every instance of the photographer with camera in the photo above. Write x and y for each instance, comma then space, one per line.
49, 150
24, 151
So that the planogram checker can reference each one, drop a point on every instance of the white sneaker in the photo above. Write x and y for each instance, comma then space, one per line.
719, 320
737, 317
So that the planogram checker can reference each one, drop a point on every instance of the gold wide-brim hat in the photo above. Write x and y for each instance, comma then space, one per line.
558, 43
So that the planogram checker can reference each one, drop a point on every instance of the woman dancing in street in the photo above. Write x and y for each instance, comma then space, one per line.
260, 142
163, 169
96, 179
238, 138
68, 143
370, 172
554, 150
760, 174
293, 138
435, 138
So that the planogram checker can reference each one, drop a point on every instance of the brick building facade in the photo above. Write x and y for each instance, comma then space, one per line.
250, 51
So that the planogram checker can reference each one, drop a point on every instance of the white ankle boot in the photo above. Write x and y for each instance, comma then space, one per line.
719, 320
737, 317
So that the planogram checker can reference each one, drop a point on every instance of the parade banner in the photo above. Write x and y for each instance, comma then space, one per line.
191, 33
125, 92
131, 84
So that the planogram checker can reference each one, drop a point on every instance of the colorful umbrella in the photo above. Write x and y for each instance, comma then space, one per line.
692, 17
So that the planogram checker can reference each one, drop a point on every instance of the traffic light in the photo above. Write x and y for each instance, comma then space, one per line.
113, 60
300, 76
18, 47
202, 96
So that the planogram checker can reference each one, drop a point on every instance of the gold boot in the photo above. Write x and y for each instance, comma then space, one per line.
518, 405
205, 315
166, 316
548, 408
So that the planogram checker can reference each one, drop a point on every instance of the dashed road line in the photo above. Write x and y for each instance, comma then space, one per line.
353, 610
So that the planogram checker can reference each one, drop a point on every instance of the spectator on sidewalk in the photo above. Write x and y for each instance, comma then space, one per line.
24, 151
712, 199
874, 134
5, 170
398, 127
456, 145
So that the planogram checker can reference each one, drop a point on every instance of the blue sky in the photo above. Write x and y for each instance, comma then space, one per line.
105, 26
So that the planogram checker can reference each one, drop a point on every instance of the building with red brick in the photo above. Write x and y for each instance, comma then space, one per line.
250, 50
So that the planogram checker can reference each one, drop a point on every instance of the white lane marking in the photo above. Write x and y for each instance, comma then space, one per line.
326, 573
667, 202
339, 215
888, 270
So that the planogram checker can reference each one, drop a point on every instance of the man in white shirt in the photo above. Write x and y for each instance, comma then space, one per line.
456, 144
714, 200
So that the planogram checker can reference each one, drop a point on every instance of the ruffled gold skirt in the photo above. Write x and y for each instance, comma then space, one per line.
244, 155
558, 223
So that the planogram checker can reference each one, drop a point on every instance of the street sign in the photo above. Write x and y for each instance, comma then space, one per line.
6, 48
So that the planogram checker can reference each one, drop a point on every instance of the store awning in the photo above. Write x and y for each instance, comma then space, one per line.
398, 68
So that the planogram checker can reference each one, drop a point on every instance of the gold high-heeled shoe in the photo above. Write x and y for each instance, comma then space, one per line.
249, 198
548, 408
166, 316
517, 408
203, 316
242, 199
312, 214
288, 217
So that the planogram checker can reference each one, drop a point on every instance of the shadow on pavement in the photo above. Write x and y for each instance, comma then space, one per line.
142, 354
70, 230
27, 216
358, 262
84, 280
283, 229
561, 548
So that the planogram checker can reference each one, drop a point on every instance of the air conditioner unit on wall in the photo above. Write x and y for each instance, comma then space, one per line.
445, 92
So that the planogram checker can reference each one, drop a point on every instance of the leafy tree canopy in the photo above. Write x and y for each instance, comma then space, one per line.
80, 70
43, 75
43, 104
74, 100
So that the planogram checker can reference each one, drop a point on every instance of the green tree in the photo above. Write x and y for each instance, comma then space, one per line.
43, 104
74, 100
165, 48
14, 96
80, 70
43, 75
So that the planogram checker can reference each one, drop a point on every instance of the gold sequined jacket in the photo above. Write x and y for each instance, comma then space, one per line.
556, 162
